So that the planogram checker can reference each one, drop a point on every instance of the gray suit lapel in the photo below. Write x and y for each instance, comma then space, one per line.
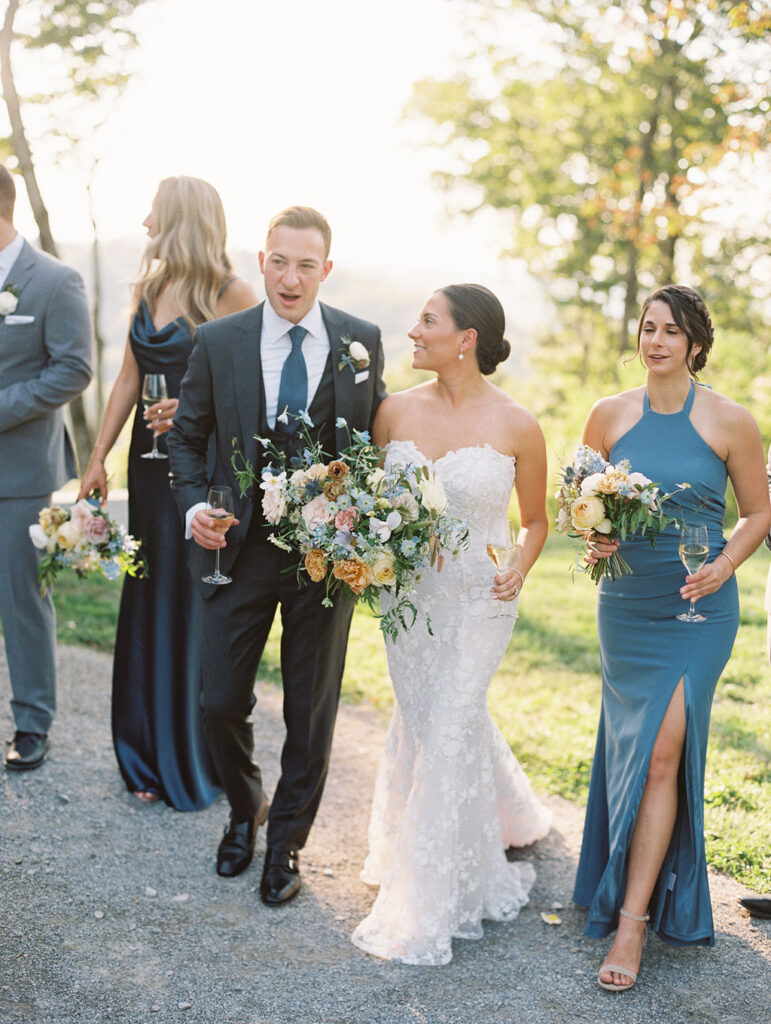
246, 367
21, 274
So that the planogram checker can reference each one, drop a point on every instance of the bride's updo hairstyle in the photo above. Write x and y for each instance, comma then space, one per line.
474, 306
690, 313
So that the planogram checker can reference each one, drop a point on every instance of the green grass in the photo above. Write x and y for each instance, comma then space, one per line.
546, 695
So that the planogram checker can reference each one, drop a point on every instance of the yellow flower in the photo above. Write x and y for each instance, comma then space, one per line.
382, 568
586, 513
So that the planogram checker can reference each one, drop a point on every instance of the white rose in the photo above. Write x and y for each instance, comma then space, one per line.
359, 354
589, 485
38, 536
8, 303
605, 526
432, 493
68, 535
375, 479
273, 505
639, 480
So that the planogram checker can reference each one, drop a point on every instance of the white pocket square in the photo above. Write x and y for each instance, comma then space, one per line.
18, 318
361, 376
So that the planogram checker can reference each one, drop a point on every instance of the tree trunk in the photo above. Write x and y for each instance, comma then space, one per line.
97, 305
83, 435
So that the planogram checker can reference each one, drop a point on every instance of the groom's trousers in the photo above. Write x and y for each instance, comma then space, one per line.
237, 620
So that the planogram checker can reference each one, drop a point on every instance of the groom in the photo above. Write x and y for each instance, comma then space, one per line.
248, 373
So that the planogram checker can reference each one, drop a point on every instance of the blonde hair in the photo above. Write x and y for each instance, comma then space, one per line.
188, 253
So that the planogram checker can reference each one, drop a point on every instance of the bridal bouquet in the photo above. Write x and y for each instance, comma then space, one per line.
356, 525
595, 496
84, 538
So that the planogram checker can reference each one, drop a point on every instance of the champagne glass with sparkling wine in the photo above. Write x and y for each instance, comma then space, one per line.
153, 390
694, 548
503, 551
220, 511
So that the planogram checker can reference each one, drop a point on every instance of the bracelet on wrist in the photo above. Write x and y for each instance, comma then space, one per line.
521, 580
733, 564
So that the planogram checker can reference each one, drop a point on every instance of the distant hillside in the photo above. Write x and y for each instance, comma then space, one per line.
389, 302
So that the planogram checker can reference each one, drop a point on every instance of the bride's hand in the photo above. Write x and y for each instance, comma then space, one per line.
507, 585
599, 546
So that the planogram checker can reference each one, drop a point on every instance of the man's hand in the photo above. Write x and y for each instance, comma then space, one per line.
203, 533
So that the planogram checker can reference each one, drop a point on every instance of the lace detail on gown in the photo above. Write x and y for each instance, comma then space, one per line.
449, 796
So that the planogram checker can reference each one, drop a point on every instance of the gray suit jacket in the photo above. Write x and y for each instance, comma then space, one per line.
221, 395
45, 360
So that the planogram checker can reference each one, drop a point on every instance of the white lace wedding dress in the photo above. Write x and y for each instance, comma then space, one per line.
450, 796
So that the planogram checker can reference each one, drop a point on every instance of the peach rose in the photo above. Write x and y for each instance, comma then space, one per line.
345, 519
316, 511
353, 572
97, 530
316, 564
586, 513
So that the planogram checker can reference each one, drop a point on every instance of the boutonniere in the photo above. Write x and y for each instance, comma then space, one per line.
354, 355
9, 299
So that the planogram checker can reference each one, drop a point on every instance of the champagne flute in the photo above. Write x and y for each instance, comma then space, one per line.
503, 551
153, 390
693, 550
220, 511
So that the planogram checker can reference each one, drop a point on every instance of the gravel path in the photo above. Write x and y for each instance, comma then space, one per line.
111, 910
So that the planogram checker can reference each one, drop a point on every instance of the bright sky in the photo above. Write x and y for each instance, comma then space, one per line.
280, 103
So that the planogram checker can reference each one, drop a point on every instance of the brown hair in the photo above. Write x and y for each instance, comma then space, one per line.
691, 315
474, 306
7, 194
300, 218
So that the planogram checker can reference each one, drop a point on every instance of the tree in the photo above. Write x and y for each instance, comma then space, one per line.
601, 131
91, 39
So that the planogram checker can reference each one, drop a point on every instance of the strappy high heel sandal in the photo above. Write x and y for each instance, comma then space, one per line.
617, 968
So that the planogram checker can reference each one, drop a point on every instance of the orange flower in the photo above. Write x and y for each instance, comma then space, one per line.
316, 564
354, 573
337, 469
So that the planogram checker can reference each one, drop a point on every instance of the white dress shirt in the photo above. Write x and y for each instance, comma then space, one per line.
275, 346
8, 257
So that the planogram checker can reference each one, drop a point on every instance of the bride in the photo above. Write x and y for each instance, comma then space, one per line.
450, 796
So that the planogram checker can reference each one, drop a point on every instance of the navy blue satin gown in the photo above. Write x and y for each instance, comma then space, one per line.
156, 715
645, 651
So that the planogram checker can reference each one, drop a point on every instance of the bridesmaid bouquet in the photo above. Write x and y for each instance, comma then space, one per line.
84, 538
595, 496
362, 528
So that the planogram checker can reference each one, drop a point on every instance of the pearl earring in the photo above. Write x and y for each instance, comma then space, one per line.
460, 355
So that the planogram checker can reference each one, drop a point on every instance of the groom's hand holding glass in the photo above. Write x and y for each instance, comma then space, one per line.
207, 532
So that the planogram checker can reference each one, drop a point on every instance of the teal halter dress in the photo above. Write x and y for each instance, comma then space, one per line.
645, 651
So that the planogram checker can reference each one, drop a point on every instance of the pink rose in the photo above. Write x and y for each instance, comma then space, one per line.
97, 529
345, 519
316, 511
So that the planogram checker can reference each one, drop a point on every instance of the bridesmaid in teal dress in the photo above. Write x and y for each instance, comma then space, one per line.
185, 278
643, 857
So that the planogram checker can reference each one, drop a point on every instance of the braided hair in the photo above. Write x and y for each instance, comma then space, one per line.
691, 315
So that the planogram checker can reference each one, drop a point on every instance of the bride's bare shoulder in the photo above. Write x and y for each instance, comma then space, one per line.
394, 408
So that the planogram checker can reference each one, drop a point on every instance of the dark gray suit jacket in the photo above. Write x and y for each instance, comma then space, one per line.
221, 394
45, 360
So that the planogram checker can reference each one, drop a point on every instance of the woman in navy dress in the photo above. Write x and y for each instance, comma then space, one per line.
643, 855
185, 279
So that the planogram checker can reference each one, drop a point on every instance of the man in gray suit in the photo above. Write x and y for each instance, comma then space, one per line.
45, 360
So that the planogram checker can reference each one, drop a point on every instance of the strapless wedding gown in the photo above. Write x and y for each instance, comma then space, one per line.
450, 796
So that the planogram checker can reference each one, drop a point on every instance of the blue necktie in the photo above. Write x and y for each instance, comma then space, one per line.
293, 389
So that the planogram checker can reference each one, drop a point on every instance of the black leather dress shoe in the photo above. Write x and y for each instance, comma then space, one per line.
236, 848
27, 750
758, 906
280, 876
